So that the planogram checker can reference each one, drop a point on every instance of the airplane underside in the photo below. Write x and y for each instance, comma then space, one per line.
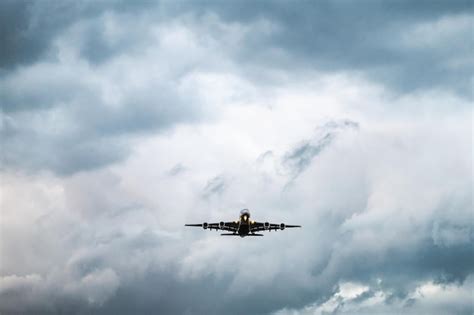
241, 235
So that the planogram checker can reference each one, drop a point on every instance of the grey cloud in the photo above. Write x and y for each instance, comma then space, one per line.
446, 234
194, 272
32, 89
92, 289
373, 300
176, 170
96, 47
63, 124
215, 186
109, 239
76, 147
380, 40
27, 28
424, 261
303, 32
299, 159
264, 156
367, 39
64, 116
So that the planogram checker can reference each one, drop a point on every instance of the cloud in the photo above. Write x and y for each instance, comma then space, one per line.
90, 290
121, 122
304, 37
298, 159
391, 232
66, 117
176, 170
428, 298
214, 186
30, 29
99, 72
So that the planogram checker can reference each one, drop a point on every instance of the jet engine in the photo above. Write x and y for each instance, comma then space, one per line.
266, 225
221, 224
282, 226
204, 225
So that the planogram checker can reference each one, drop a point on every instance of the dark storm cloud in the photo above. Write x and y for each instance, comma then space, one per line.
85, 133
402, 264
370, 37
116, 255
27, 28
55, 113
361, 36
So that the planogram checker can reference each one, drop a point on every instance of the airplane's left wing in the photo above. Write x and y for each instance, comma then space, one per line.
224, 226
265, 226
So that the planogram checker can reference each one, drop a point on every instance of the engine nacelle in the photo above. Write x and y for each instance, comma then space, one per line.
266, 225
205, 225
221, 224
282, 226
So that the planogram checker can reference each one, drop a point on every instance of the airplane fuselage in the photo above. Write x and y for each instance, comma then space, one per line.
244, 223
244, 229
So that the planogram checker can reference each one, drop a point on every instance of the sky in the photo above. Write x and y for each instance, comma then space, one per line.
121, 121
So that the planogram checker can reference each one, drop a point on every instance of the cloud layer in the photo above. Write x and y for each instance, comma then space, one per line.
121, 122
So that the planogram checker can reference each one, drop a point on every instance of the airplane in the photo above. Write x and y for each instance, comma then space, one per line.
244, 226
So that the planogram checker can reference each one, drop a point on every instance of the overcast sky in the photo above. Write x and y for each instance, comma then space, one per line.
123, 120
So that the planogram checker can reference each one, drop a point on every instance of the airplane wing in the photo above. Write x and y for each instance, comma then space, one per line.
265, 226
224, 226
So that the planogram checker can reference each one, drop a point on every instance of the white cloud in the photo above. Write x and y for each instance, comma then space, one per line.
379, 205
